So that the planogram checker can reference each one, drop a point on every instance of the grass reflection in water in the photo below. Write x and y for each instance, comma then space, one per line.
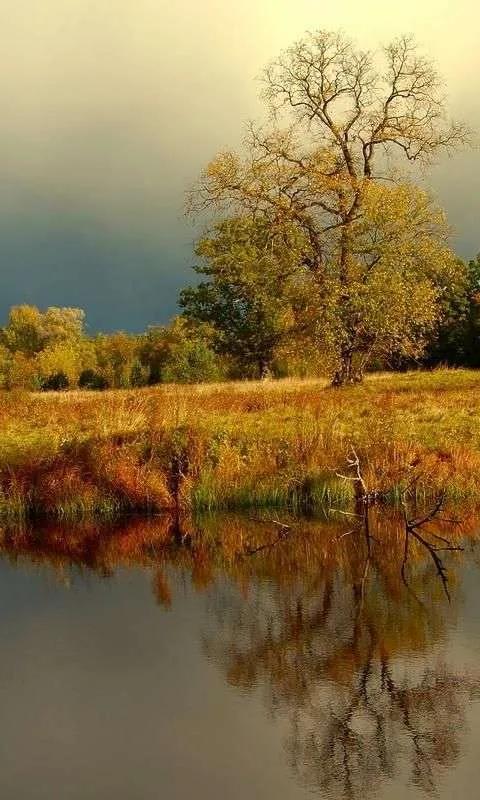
344, 643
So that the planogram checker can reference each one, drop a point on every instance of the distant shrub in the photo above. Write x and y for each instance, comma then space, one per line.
55, 382
19, 373
139, 375
90, 379
116, 353
191, 362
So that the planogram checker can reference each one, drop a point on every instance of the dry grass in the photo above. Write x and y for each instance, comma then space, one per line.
238, 444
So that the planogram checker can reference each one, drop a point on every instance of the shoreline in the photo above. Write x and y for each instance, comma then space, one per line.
240, 446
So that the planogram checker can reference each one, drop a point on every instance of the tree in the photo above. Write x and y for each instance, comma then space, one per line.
472, 338
116, 356
456, 339
181, 352
333, 173
153, 352
63, 324
19, 372
190, 357
138, 374
401, 270
69, 358
243, 259
29, 330
24, 330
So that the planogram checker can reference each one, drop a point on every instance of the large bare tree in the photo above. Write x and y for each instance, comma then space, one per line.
344, 121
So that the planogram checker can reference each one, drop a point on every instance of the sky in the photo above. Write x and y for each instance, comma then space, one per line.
110, 109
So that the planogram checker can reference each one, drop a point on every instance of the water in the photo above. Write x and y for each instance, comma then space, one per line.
244, 660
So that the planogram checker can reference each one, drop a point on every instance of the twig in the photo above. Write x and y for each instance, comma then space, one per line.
412, 529
347, 533
282, 525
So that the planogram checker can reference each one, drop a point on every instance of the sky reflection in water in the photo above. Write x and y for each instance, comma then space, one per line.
236, 661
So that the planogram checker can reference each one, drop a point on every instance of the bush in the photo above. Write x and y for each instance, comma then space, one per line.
55, 382
89, 379
19, 372
192, 362
139, 375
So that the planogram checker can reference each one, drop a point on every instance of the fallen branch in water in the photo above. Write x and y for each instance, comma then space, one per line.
412, 528
285, 530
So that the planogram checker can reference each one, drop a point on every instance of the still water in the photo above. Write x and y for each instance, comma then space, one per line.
237, 658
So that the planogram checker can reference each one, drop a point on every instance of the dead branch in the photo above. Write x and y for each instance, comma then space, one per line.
412, 528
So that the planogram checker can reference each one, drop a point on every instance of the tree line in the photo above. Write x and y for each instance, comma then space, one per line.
50, 350
321, 255
229, 329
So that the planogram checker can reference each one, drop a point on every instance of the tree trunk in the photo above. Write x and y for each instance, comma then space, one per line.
263, 369
347, 373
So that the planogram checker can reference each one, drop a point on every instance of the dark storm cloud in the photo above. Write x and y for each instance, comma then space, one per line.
109, 111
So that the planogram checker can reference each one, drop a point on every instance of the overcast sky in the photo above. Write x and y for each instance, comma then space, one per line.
110, 108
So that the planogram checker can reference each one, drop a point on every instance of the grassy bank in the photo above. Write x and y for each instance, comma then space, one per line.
228, 446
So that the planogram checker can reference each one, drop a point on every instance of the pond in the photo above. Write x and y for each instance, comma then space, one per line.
239, 657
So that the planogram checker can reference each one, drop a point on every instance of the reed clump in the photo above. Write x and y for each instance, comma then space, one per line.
238, 445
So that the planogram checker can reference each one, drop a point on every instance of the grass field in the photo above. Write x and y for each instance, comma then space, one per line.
238, 445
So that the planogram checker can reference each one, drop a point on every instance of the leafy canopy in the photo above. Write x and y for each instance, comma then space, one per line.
343, 122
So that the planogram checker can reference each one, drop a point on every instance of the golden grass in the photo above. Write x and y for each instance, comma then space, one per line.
235, 445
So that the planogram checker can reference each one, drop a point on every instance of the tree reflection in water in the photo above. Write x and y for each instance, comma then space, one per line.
321, 621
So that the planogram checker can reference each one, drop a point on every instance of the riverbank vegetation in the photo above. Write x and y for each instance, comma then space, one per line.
239, 445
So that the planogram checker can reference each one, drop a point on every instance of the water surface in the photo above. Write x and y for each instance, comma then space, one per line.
237, 659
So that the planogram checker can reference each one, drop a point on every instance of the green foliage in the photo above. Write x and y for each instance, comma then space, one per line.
181, 352
190, 358
457, 339
69, 357
260, 308
153, 352
191, 362
375, 246
116, 354
138, 374
258, 294
48, 351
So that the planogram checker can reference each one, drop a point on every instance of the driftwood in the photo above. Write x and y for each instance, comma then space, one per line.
363, 495
413, 529
284, 531
414, 526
